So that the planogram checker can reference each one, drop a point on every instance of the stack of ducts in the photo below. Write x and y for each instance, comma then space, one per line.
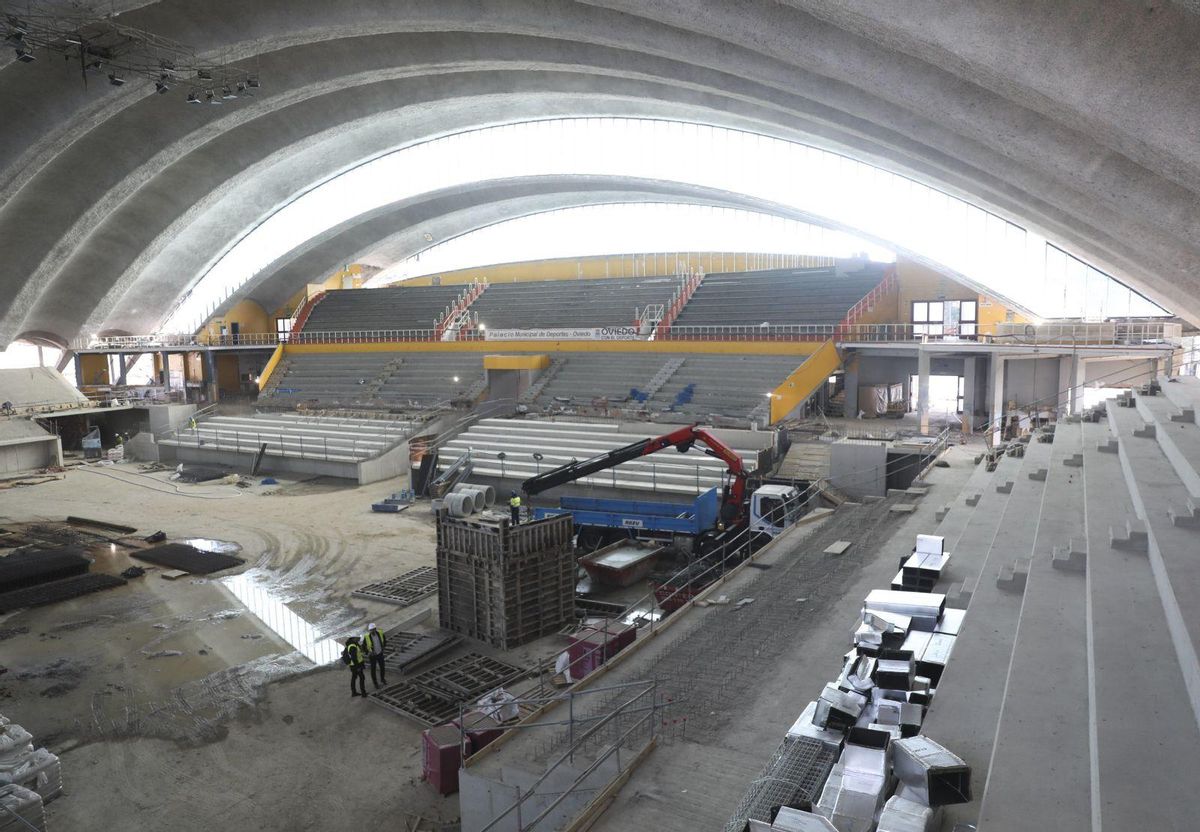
460, 504
472, 498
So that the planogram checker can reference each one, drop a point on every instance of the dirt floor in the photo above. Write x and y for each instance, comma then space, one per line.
173, 705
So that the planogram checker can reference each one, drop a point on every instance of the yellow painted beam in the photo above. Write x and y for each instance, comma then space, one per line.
516, 362
270, 368
804, 380
685, 347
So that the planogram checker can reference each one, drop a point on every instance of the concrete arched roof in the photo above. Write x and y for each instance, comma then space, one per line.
1077, 119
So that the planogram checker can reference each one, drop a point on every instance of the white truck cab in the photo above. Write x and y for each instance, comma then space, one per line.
773, 508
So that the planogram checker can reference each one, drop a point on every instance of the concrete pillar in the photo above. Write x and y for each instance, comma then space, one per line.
850, 407
1169, 365
969, 394
997, 423
1067, 392
923, 388
210, 375
123, 369
166, 369
78, 370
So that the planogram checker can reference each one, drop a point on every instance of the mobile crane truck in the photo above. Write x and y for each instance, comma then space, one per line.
709, 529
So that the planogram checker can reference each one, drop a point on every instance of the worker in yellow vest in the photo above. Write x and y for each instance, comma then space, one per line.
354, 658
514, 505
374, 642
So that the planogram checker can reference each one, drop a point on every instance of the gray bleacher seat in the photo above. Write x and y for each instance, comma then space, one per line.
727, 385
570, 303
395, 307
777, 297
292, 435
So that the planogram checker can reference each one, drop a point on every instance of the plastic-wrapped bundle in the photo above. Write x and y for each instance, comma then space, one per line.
39, 771
15, 743
26, 805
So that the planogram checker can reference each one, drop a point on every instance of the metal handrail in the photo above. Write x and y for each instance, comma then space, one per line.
1104, 333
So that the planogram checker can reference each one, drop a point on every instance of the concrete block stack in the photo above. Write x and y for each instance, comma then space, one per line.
23, 765
887, 777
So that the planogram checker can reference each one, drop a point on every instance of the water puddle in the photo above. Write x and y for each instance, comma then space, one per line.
216, 547
262, 599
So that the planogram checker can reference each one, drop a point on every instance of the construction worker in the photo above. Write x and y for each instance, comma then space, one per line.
192, 423
354, 658
373, 642
514, 506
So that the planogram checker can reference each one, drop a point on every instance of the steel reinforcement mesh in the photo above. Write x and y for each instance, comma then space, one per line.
796, 773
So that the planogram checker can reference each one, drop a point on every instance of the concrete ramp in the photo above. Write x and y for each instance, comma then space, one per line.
38, 388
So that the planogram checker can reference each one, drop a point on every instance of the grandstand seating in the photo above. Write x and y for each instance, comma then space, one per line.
396, 307
733, 386
570, 303
373, 380
700, 387
560, 442
777, 297
292, 435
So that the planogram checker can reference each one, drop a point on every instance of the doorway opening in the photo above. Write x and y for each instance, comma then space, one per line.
945, 394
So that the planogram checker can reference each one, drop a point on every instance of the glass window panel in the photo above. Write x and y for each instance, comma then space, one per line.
968, 311
935, 311
920, 311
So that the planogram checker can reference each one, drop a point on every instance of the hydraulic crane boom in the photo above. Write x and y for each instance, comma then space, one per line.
682, 440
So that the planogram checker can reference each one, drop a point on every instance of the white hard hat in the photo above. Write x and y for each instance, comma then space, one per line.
370, 626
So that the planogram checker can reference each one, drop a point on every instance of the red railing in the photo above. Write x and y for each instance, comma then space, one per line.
690, 285
460, 306
305, 311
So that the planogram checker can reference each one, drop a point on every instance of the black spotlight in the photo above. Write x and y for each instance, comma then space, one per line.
25, 54
193, 98
252, 83
204, 74
211, 97
161, 86
227, 92
115, 79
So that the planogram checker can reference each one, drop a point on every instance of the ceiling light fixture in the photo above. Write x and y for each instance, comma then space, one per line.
25, 54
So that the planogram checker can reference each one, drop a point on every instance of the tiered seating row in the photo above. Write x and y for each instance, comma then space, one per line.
777, 297
570, 303
561, 442
307, 437
397, 307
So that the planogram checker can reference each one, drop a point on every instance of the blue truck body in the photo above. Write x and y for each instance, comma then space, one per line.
638, 515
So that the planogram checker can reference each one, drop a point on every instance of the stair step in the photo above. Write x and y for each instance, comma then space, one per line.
1074, 461
1039, 475
1188, 517
1132, 539
973, 499
1112, 446
959, 595
1005, 488
1070, 558
1146, 432
1187, 415
1013, 576
941, 513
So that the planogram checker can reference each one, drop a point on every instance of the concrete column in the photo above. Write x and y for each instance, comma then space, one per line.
851, 381
1169, 365
78, 370
923, 388
1078, 374
123, 369
969, 393
1066, 383
166, 369
210, 375
997, 423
